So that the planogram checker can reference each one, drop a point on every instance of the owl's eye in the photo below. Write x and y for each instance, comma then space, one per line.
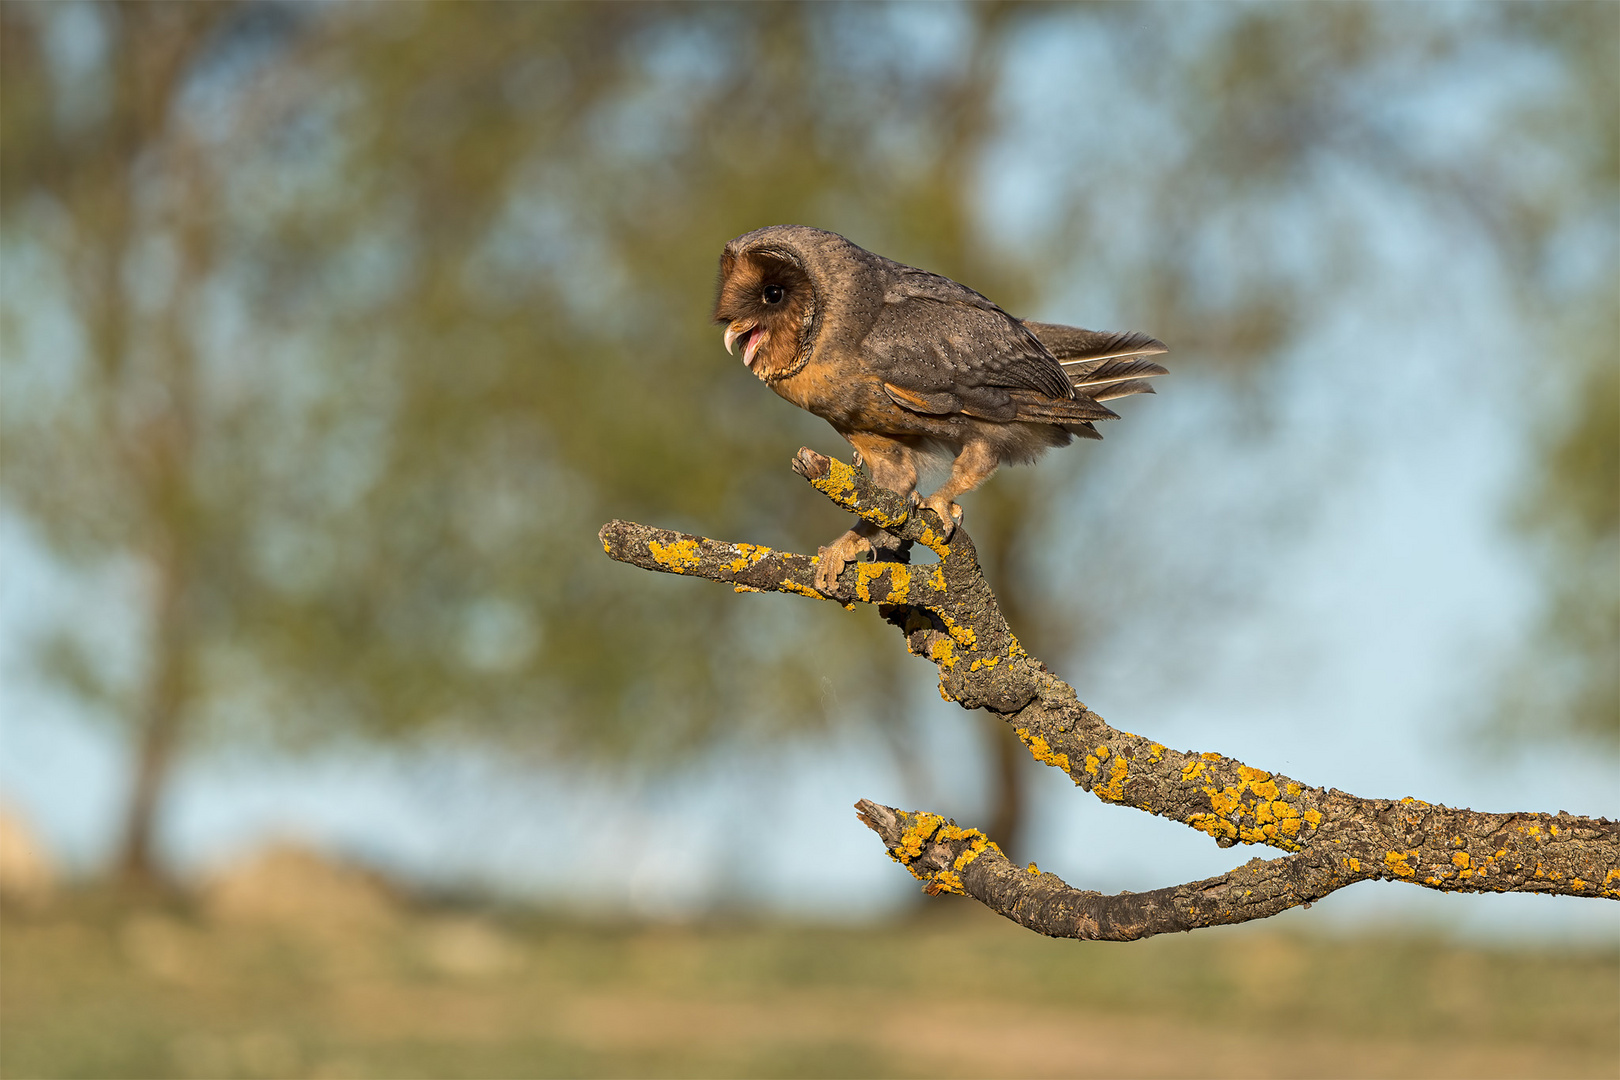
773, 294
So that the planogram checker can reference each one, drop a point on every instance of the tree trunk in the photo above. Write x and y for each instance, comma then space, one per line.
1008, 773
158, 736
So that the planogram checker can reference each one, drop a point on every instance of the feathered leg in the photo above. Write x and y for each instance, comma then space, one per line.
972, 467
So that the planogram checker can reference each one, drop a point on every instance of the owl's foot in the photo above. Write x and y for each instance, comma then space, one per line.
846, 549
950, 514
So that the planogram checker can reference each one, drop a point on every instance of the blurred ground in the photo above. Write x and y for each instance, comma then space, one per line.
354, 981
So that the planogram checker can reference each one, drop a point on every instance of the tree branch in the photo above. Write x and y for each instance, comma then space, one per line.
949, 615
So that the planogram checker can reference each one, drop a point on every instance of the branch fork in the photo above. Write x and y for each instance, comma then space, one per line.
949, 615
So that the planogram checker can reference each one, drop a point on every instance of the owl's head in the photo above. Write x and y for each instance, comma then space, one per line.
767, 302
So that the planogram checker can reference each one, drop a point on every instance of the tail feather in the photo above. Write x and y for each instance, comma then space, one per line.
1067, 343
1041, 409
1110, 391
1084, 372
1099, 364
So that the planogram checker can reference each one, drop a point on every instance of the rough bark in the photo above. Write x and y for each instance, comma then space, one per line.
949, 615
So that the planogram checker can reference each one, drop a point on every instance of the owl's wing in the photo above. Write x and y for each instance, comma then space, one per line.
942, 348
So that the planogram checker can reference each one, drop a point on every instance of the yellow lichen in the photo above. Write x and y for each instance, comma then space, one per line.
747, 555
1192, 770
788, 585
1353, 865
899, 583
838, 484
1460, 860
678, 556
1313, 816
1225, 801
970, 854
1114, 789
1034, 869
921, 829
943, 653
934, 542
1041, 751
1155, 752
1396, 861
1214, 826
864, 573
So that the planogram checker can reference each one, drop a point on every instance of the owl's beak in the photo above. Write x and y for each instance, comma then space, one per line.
734, 331
756, 338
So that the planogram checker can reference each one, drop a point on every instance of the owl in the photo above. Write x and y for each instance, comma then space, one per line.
913, 369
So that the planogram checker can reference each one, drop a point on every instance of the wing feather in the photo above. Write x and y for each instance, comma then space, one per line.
919, 401
935, 336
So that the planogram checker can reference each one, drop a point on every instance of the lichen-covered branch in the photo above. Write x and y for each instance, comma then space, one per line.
949, 616
946, 858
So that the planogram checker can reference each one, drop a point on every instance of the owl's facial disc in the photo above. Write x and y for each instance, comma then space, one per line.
757, 335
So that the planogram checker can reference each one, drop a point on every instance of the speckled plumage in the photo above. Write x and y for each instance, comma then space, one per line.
908, 365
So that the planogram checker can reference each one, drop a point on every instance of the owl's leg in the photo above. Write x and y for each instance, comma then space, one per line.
893, 466
972, 467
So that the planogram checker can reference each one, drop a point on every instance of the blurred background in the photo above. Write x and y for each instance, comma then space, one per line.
331, 333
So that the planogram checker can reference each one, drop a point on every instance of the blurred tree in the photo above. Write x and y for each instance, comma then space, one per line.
1569, 677
348, 325
378, 314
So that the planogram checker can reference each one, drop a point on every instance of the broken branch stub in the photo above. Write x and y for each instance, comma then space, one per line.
949, 616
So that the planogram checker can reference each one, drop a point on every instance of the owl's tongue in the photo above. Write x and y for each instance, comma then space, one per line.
756, 338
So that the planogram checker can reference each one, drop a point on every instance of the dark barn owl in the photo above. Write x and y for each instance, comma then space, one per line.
911, 367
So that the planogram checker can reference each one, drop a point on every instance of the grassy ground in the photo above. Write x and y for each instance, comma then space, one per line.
92, 989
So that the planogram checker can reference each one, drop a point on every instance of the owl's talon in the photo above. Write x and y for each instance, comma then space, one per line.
950, 514
858, 459
846, 549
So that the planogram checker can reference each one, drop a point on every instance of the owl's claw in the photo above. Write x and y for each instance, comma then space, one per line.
846, 549
950, 514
